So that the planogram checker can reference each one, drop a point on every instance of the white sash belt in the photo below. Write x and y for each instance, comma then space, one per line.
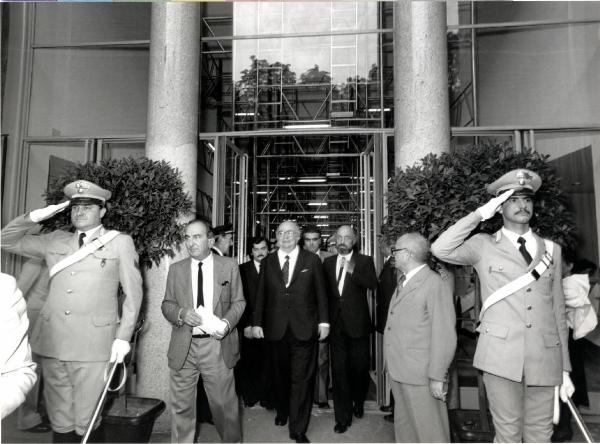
521, 281
84, 251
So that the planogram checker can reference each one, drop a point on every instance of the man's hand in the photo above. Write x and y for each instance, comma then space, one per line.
437, 389
221, 331
47, 212
257, 332
567, 388
119, 350
248, 332
190, 317
488, 210
323, 332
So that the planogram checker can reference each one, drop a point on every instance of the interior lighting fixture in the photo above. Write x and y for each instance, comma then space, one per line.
320, 216
307, 126
211, 146
332, 174
377, 110
312, 180
322, 225
317, 204
244, 114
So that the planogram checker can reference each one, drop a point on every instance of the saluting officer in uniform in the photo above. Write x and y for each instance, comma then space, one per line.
522, 347
79, 327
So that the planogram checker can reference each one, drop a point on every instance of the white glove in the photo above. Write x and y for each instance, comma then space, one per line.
567, 388
46, 213
119, 350
488, 210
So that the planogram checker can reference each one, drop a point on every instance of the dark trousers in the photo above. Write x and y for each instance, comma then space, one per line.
253, 372
294, 363
350, 371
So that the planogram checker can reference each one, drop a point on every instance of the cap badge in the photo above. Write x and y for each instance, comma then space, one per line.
81, 187
523, 177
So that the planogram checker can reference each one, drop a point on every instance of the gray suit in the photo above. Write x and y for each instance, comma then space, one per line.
189, 357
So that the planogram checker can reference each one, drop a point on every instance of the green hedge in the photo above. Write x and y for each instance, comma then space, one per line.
431, 195
147, 199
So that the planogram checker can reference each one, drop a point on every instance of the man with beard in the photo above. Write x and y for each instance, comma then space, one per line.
349, 275
253, 370
291, 314
522, 346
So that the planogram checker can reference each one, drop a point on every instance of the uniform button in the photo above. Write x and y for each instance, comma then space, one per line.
487, 330
391, 312
72, 273
529, 307
528, 325
528, 290
67, 312
69, 291
557, 343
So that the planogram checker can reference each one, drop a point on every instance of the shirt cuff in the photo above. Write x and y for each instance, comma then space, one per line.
324, 324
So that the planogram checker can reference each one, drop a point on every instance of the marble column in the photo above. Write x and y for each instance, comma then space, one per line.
172, 135
421, 110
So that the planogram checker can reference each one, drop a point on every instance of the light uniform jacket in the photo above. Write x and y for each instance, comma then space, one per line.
420, 338
228, 303
79, 320
525, 333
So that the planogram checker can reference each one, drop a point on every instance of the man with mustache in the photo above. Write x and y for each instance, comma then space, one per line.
253, 370
522, 346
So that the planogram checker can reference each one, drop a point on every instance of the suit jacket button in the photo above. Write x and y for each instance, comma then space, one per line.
67, 312
391, 312
389, 328
528, 325
528, 290
487, 330
529, 307
72, 273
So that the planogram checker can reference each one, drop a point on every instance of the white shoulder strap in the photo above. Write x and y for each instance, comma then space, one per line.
84, 251
521, 281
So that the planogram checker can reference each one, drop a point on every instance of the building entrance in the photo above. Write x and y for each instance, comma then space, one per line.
323, 179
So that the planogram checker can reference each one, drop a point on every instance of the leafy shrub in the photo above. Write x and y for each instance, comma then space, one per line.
431, 195
147, 199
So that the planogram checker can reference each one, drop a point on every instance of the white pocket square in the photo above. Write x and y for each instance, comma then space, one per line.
306, 269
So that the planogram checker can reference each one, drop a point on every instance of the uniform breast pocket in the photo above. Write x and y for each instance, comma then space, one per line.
106, 260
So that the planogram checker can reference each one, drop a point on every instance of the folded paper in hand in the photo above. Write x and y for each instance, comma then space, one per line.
210, 323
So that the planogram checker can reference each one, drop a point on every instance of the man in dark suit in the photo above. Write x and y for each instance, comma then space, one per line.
203, 302
311, 241
349, 275
291, 314
252, 370
386, 284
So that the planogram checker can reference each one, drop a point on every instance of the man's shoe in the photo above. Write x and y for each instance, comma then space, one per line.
299, 437
280, 420
42, 427
359, 411
323, 405
389, 418
340, 428
387, 408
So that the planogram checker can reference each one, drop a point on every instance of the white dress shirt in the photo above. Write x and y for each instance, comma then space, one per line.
530, 243
207, 285
257, 266
293, 255
88, 234
411, 273
337, 269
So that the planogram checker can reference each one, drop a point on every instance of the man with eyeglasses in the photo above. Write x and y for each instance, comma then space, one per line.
419, 344
522, 346
291, 314
79, 329
349, 276
311, 238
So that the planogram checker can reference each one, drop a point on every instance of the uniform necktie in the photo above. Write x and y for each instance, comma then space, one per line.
81, 236
524, 251
286, 270
200, 299
342, 264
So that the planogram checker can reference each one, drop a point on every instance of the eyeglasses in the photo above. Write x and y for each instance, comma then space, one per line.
394, 250
286, 233
312, 239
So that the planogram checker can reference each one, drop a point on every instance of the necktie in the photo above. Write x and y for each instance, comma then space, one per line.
200, 300
81, 236
401, 279
286, 270
524, 251
342, 264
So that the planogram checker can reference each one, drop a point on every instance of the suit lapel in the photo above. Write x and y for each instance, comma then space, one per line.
298, 267
187, 282
415, 282
217, 281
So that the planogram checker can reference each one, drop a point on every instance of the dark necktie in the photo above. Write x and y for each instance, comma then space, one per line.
286, 270
81, 236
342, 263
524, 251
200, 300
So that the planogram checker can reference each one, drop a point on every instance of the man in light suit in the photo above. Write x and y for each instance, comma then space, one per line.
203, 302
79, 327
522, 346
311, 241
419, 344
349, 275
291, 314
253, 369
